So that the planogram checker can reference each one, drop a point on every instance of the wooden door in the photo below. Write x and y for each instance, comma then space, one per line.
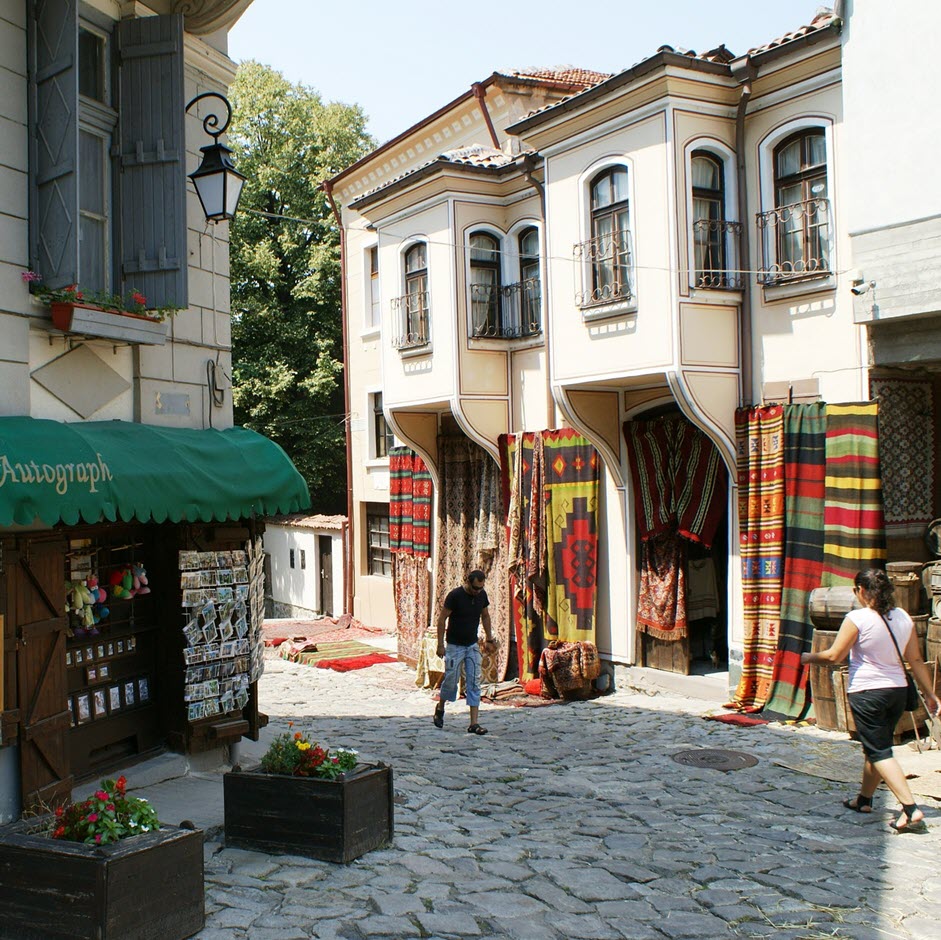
36, 603
325, 550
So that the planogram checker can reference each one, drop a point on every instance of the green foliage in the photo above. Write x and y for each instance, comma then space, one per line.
285, 275
293, 755
107, 816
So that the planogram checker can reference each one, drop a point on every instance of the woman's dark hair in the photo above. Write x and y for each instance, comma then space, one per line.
875, 582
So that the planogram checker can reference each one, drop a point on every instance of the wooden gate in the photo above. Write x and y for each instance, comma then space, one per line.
36, 605
325, 550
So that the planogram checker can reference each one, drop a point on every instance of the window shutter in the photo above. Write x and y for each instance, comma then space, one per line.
53, 140
152, 159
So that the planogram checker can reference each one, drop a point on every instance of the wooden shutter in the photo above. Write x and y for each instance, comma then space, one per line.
52, 30
152, 159
37, 597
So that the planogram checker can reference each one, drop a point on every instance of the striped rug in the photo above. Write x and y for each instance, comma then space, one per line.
338, 649
759, 434
805, 427
853, 520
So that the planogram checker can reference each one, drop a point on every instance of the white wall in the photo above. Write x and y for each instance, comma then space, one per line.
300, 587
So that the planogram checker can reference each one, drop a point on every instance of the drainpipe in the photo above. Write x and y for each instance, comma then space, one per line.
481, 95
327, 187
527, 165
744, 73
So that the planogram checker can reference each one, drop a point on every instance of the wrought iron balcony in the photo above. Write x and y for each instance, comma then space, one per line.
607, 264
513, 311
716, 243
795, 242
412, 313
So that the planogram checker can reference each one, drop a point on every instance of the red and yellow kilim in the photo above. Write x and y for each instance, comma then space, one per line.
853, 519
759, 434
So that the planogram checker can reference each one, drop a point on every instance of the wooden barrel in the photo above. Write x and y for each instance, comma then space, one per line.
829, 605
908, 591
933, 640
921, 631
821, 684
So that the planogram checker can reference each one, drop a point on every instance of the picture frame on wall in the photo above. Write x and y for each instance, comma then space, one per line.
91, 674
101, 651
99, 704
143, 690
114, 699
130, 694
89, 654
119, 646
78, 658
111, 649
83, 708
71, 712
104, 671
68, 658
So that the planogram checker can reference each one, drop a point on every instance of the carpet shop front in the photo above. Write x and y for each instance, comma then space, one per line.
131, 594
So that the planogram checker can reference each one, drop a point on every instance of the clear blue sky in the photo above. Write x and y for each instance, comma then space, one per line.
402, 61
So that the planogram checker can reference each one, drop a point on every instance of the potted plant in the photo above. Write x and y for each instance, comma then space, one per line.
305, 799
102, 868
102, 315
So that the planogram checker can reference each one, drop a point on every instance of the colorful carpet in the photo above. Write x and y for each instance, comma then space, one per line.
330, 650
759, 436
276, 631
355, 662
410, 497
906, 449
411, 589
805, 427
853, 518
661, 598
571, 474
736, 718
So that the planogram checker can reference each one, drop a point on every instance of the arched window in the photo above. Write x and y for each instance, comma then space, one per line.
530, 293
800, 220
707, 175
485, 284
610, 247
414, 305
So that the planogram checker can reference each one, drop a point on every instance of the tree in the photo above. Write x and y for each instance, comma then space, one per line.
285, 272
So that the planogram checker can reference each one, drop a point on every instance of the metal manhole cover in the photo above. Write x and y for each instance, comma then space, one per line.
715, 759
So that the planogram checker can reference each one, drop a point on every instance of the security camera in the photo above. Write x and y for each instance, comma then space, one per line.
859, 288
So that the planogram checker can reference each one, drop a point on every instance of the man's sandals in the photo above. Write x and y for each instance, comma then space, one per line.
439, 717
476, 729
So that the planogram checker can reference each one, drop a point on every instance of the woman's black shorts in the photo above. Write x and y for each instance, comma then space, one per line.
876, 713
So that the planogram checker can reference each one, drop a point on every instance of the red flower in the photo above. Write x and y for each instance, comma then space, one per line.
59, 833
98, 839
71, 288
101, 795
297, 735
79, 295
110, 807
93, 817
121, 783
139, 298
59, 810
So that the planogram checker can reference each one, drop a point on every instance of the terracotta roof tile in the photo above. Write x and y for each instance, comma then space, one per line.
563, 75
301, 520
477, 155
822, 20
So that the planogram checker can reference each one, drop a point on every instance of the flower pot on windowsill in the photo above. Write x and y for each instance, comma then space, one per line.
145, 886
89, 320
333, 820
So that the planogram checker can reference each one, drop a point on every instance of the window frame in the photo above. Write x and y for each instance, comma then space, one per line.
372, 307
380, 431
401, 315
590, 308
496, 266
812, 282
383, 557
723, 154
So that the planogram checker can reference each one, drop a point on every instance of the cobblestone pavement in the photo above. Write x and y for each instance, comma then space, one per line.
573, 821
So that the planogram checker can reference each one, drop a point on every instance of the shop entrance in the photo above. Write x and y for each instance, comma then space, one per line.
680, 496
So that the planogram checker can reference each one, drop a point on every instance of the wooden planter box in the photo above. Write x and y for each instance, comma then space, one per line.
334, 820
107, 324
147, 887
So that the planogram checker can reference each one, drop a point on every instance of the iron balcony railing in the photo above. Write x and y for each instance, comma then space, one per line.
607, 264
412, 313
513, 311
795, 242
716, 243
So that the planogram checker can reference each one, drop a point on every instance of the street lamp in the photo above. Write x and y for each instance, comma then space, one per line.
218, 184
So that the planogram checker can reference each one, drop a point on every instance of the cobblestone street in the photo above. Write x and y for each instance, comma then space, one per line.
573, 821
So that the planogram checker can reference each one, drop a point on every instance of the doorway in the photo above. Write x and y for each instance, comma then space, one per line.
325, 551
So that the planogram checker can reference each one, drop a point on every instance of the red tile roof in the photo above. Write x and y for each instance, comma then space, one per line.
822, 20
562, 75
477, 155
304, 521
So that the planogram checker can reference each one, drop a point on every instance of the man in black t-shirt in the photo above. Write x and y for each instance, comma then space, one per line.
464, 610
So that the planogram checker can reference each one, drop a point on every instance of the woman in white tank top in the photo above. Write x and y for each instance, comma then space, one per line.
878, 687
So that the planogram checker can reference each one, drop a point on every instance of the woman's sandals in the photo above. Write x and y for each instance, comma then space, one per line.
859, 803
905, 823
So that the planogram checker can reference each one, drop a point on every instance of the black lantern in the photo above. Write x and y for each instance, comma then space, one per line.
218, 184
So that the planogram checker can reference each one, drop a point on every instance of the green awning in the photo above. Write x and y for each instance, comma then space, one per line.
93, 470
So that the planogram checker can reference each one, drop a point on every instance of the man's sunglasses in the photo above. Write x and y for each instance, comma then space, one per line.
476, 587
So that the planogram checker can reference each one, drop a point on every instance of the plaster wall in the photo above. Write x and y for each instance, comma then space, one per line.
299, 588
622, 343
805, 329
196, 335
